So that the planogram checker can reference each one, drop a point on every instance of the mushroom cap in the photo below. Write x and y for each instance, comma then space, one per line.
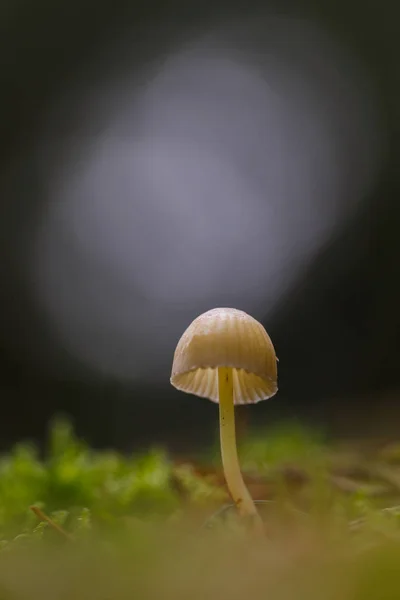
226, 337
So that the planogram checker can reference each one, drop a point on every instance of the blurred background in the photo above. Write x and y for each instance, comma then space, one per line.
159, 159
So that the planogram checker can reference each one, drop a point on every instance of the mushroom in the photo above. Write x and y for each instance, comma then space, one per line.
225, 355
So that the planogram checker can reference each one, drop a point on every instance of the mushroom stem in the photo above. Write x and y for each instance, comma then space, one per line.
230, 461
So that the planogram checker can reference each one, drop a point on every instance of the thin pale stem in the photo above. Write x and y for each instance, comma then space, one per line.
230, 461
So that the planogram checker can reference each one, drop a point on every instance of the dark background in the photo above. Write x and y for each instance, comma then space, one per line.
337, 334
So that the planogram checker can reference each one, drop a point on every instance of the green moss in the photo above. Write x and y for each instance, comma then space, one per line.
135, 523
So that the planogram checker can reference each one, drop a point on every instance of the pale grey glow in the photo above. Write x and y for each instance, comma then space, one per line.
216, 183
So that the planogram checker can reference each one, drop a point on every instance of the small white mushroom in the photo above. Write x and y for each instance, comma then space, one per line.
227, 356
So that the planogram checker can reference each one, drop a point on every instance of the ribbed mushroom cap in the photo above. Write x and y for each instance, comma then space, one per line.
226, 337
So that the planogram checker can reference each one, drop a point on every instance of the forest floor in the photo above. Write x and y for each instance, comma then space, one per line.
83, 524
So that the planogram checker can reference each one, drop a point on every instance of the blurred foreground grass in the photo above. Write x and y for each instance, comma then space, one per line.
332, 519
